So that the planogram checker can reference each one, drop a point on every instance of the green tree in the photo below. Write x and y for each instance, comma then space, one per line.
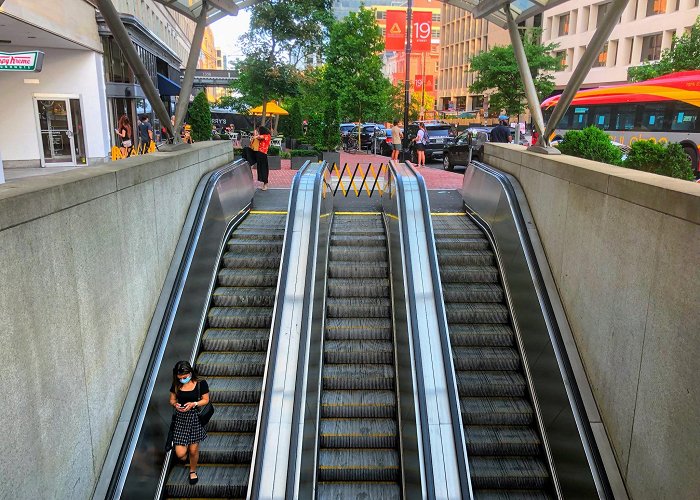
684, 55
281, 34
200, 118
353, 77
497, 73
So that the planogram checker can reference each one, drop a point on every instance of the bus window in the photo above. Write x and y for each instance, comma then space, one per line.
580, 117
654, 117
601, 117
625, 117
685, 119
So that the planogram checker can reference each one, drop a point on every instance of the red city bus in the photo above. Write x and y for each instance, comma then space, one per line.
664, 109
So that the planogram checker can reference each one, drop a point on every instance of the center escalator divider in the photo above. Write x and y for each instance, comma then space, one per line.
232, 358
359, 436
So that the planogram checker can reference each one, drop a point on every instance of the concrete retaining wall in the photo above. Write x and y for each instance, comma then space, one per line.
83, 256
624, 248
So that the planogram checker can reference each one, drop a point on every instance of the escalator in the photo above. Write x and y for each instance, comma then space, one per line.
505, 450
232, 358
358, 431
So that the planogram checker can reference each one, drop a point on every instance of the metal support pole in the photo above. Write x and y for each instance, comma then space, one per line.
533, 101
121, 36
188, 80
407, 75
593, 48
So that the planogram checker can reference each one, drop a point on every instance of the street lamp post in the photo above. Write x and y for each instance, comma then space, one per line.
407, 75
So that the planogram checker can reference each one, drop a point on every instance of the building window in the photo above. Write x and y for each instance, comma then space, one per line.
602, 57
436, 17
561, 56
651, 47
656, 7
436, 34
602, 10
477, 102
564, 24
381, 14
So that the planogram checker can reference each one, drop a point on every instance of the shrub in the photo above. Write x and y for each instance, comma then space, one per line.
200, 117
669, 160
285, 155
295, 153
273, 151
591, 143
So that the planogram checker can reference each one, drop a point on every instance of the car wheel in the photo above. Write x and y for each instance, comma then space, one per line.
446, 164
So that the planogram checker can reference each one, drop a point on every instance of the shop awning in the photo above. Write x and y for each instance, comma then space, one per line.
271, 109
167, 87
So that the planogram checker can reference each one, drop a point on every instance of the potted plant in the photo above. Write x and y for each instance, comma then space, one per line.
274, 161
301, 156
237, 153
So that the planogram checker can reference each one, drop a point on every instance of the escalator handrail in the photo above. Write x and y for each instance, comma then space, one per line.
123, 443
462, 467
529, 239
256, 477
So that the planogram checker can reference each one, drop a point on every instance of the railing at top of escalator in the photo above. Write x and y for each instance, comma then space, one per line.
358, 179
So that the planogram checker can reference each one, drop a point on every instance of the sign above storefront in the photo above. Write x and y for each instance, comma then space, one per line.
22, 61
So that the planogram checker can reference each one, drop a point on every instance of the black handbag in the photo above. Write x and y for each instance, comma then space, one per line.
206, 411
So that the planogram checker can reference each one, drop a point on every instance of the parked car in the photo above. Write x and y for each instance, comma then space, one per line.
439, 134
456, 152
345, 128
367, 134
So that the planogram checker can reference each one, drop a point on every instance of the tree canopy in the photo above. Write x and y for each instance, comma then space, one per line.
497, 73
684, 55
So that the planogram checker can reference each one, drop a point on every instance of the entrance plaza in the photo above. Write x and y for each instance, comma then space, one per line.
509, 322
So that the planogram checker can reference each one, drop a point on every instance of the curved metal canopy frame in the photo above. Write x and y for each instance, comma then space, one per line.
507, 14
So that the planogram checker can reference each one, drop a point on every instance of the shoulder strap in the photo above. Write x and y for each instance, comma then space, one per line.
199, 393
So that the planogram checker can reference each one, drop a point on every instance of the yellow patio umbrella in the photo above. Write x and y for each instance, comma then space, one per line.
272, 108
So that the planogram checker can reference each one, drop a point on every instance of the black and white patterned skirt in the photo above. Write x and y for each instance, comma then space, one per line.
188, 430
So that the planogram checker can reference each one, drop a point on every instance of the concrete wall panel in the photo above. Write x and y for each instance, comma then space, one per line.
622, 246
78, 286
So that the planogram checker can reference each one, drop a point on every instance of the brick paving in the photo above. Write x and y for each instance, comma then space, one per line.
435, 178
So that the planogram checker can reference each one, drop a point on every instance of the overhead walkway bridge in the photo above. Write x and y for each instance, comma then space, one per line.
362, 338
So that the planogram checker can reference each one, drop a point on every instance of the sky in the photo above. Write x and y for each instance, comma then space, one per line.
227, 30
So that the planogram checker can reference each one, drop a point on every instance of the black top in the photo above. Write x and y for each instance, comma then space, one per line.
191, 396
143, 130
500, 134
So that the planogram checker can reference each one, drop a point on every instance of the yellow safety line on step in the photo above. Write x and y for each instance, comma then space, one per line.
358, 213
448, 214
269, 212
392, 216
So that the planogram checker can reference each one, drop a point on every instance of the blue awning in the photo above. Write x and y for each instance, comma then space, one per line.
167, 87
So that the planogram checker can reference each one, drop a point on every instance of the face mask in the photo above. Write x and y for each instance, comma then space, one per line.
185, 380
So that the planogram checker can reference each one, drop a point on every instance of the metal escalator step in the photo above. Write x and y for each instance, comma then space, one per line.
353, 240
358, 377
250, 245
495, 441
358, 351
234, 418
481, 335
353, 307
358, 465
473, 243
248, 277
340, 269
472, 292
486, 358
231, 364
469, 274
511, 495
358, 404
254, 234
235, 339
457, 232
358, 329
236, 317
235, 390
227, 448
215, 481
477, 313
252, 261
228, 296
514, 472
358, 433
496, 411
358, 491
357, 254
466, 258
349, 287
491, 384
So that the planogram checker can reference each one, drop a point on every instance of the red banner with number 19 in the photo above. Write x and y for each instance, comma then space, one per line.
421, 31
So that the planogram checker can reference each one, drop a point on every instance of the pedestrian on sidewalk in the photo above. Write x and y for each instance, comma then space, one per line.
187, 394
421, 140
145, 134
396, 137
125, 133
501, 133
264, 139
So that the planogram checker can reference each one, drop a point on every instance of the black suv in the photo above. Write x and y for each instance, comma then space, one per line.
439, 134
366, 135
